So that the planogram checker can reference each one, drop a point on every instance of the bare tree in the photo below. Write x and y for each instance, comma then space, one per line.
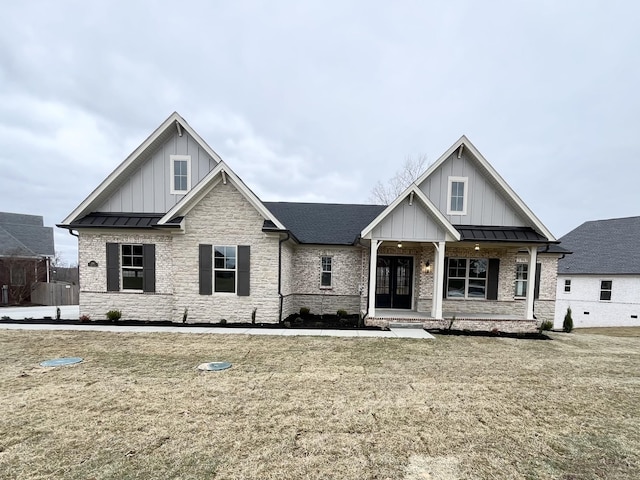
412, 168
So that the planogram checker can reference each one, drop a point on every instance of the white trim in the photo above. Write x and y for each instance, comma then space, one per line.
431, 209
172, 180
508, 191
95, 197
465, 195
214, 177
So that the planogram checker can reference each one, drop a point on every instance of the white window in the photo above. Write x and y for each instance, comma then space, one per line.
522, 274
457, 194
131, 261
17, 276
224, 269
180, 173
325, 278
567, 286
467, 278
605, 290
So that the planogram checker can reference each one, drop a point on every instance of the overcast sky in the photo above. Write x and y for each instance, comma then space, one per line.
317, 101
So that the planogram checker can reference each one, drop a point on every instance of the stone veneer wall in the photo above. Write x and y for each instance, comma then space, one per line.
95, 301
225, 217
347, 284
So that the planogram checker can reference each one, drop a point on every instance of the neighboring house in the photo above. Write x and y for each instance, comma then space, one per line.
174, 228
26, 250
600, 280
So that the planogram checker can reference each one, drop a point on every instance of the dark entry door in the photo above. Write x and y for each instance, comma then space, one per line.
394, 277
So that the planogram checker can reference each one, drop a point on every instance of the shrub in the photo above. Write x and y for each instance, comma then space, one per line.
342, 313
546, 325
567, 325
114, 315
304, 311
85, 318
223, 321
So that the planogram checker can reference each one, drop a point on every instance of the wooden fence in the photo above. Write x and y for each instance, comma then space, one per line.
55, 294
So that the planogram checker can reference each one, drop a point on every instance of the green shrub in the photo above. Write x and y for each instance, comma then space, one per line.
304, 311
223, 321
342, 313
546, 325
114, 315
567, 325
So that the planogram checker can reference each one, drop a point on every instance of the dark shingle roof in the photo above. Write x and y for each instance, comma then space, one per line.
25, 235
324, 223
603, 247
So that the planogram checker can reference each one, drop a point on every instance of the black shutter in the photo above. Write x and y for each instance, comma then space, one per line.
244, 267
206, 273
536, 289
113, 267
149, 267
445, 276
492, 280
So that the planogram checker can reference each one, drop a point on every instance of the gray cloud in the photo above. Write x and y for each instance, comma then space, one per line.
316, 101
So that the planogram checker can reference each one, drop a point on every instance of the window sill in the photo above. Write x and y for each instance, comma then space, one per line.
326, 288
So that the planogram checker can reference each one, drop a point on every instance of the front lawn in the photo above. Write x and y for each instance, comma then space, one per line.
319, 407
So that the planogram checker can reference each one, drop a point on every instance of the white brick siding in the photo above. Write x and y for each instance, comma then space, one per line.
585, 297
95, 301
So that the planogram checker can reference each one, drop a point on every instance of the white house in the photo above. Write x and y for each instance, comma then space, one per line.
600, 280
174, 228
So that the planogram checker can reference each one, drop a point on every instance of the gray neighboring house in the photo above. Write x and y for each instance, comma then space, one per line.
600, 280
26, 250
174, 228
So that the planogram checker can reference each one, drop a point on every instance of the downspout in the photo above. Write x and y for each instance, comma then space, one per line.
282, 240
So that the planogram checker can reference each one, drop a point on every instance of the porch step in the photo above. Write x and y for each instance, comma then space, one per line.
416, 324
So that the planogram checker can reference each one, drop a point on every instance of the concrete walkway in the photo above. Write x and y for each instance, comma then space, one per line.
286, 332
73, 311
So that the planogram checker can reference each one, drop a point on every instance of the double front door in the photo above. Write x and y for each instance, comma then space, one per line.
394, 276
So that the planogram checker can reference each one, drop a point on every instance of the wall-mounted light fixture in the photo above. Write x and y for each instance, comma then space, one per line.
426, 267
477, 247
399, 244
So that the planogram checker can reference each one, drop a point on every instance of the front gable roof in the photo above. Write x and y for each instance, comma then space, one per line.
430, 208
464, 144
221, 173
101, 193
602, 247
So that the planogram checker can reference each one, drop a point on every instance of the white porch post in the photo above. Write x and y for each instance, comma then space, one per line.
438, 281
373, 261
531, 281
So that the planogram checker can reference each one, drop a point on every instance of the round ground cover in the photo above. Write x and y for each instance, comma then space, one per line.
59, 362
214, 366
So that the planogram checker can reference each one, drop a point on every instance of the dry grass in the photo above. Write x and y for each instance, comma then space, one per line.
319, 407
611, 331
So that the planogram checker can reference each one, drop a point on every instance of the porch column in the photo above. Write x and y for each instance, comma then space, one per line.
438, 280
531, 281
373, 261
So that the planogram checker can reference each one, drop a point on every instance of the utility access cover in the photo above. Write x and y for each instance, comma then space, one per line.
60, 362
214, 366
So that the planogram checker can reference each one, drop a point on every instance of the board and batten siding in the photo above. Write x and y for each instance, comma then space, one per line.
409, 222
147, 188
486, 205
